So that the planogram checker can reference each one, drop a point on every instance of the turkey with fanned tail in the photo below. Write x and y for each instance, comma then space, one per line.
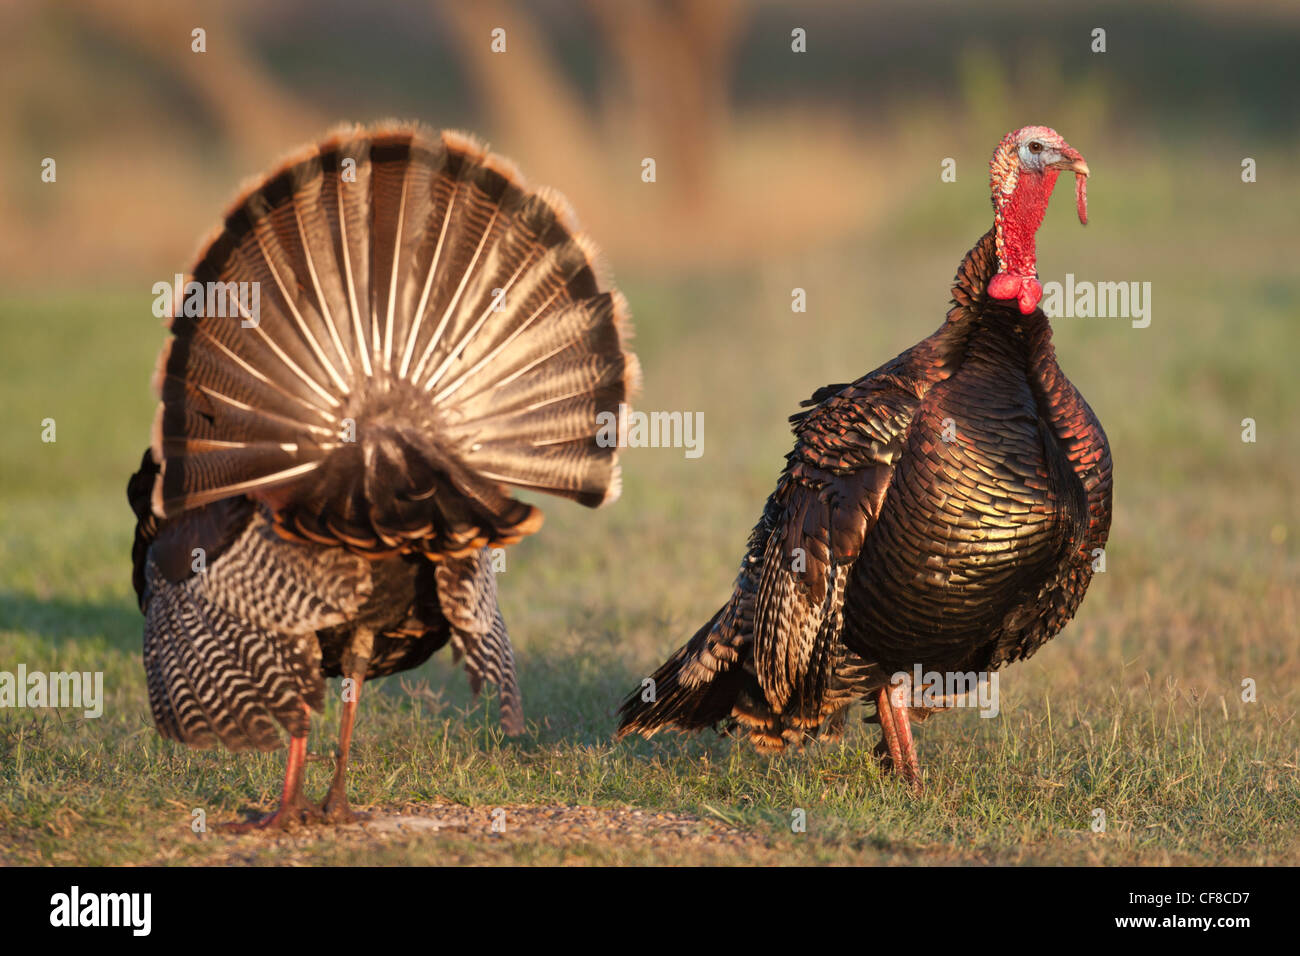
941, 514
333, 455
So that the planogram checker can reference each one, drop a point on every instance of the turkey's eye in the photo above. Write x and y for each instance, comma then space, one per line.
1035, 147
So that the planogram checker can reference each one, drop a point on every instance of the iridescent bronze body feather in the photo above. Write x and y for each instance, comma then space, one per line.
943, 511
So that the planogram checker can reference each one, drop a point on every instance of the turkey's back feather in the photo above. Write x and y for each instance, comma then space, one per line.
427, 331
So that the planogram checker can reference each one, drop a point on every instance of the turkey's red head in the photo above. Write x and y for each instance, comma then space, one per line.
1022, 175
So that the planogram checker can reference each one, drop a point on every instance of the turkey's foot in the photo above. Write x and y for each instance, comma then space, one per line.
286, 817
294, 810
336, 809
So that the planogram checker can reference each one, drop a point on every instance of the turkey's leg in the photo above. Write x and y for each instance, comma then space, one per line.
888, 751
356, 661
896, 726
336, 808
294, 808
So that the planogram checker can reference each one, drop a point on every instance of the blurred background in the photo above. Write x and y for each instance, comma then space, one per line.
775, 170
763, 155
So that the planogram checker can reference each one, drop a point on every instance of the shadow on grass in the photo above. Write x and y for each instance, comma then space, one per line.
572, 688
64, 622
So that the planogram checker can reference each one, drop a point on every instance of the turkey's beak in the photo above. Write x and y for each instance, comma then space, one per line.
1071, 160
1075, 163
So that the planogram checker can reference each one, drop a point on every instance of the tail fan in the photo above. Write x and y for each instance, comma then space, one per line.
389, 333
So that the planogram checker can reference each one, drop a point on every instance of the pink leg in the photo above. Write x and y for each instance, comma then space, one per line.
294, 808
897, 741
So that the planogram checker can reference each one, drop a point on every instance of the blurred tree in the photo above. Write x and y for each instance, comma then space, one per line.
250, 108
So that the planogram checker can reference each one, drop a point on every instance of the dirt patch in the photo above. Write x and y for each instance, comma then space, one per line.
557, 821
494, 830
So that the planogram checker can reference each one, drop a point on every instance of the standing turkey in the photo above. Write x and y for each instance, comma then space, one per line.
941, 511
332, 455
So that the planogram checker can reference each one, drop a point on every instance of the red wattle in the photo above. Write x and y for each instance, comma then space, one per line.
1004, 286
1026, 290
1031, 290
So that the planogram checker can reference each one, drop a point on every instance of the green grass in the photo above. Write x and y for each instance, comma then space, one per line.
1135, 709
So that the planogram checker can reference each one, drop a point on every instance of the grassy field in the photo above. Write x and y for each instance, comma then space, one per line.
1135, 709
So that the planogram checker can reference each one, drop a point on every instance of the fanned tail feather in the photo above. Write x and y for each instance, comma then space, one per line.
426, 333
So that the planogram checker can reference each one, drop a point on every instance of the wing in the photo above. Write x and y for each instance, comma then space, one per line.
467, 592
771, 658
230, 645
825, 504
